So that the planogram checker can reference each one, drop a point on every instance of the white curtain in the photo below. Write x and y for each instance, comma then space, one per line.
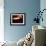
1, 20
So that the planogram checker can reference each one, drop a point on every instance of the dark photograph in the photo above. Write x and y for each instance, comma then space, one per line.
17, 19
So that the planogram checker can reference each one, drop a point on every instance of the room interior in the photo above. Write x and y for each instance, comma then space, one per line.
24, 31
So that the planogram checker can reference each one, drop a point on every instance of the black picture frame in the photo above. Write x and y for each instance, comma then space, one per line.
17, 19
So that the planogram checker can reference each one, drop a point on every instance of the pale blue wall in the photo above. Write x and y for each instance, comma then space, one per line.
30, 7
43, 6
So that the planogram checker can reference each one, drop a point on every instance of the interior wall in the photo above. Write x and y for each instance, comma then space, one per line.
30, 7
43, 6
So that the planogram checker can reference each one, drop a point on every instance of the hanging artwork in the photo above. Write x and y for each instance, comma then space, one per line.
17, 19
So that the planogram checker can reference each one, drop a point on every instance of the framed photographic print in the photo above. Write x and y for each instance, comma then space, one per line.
17, 19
